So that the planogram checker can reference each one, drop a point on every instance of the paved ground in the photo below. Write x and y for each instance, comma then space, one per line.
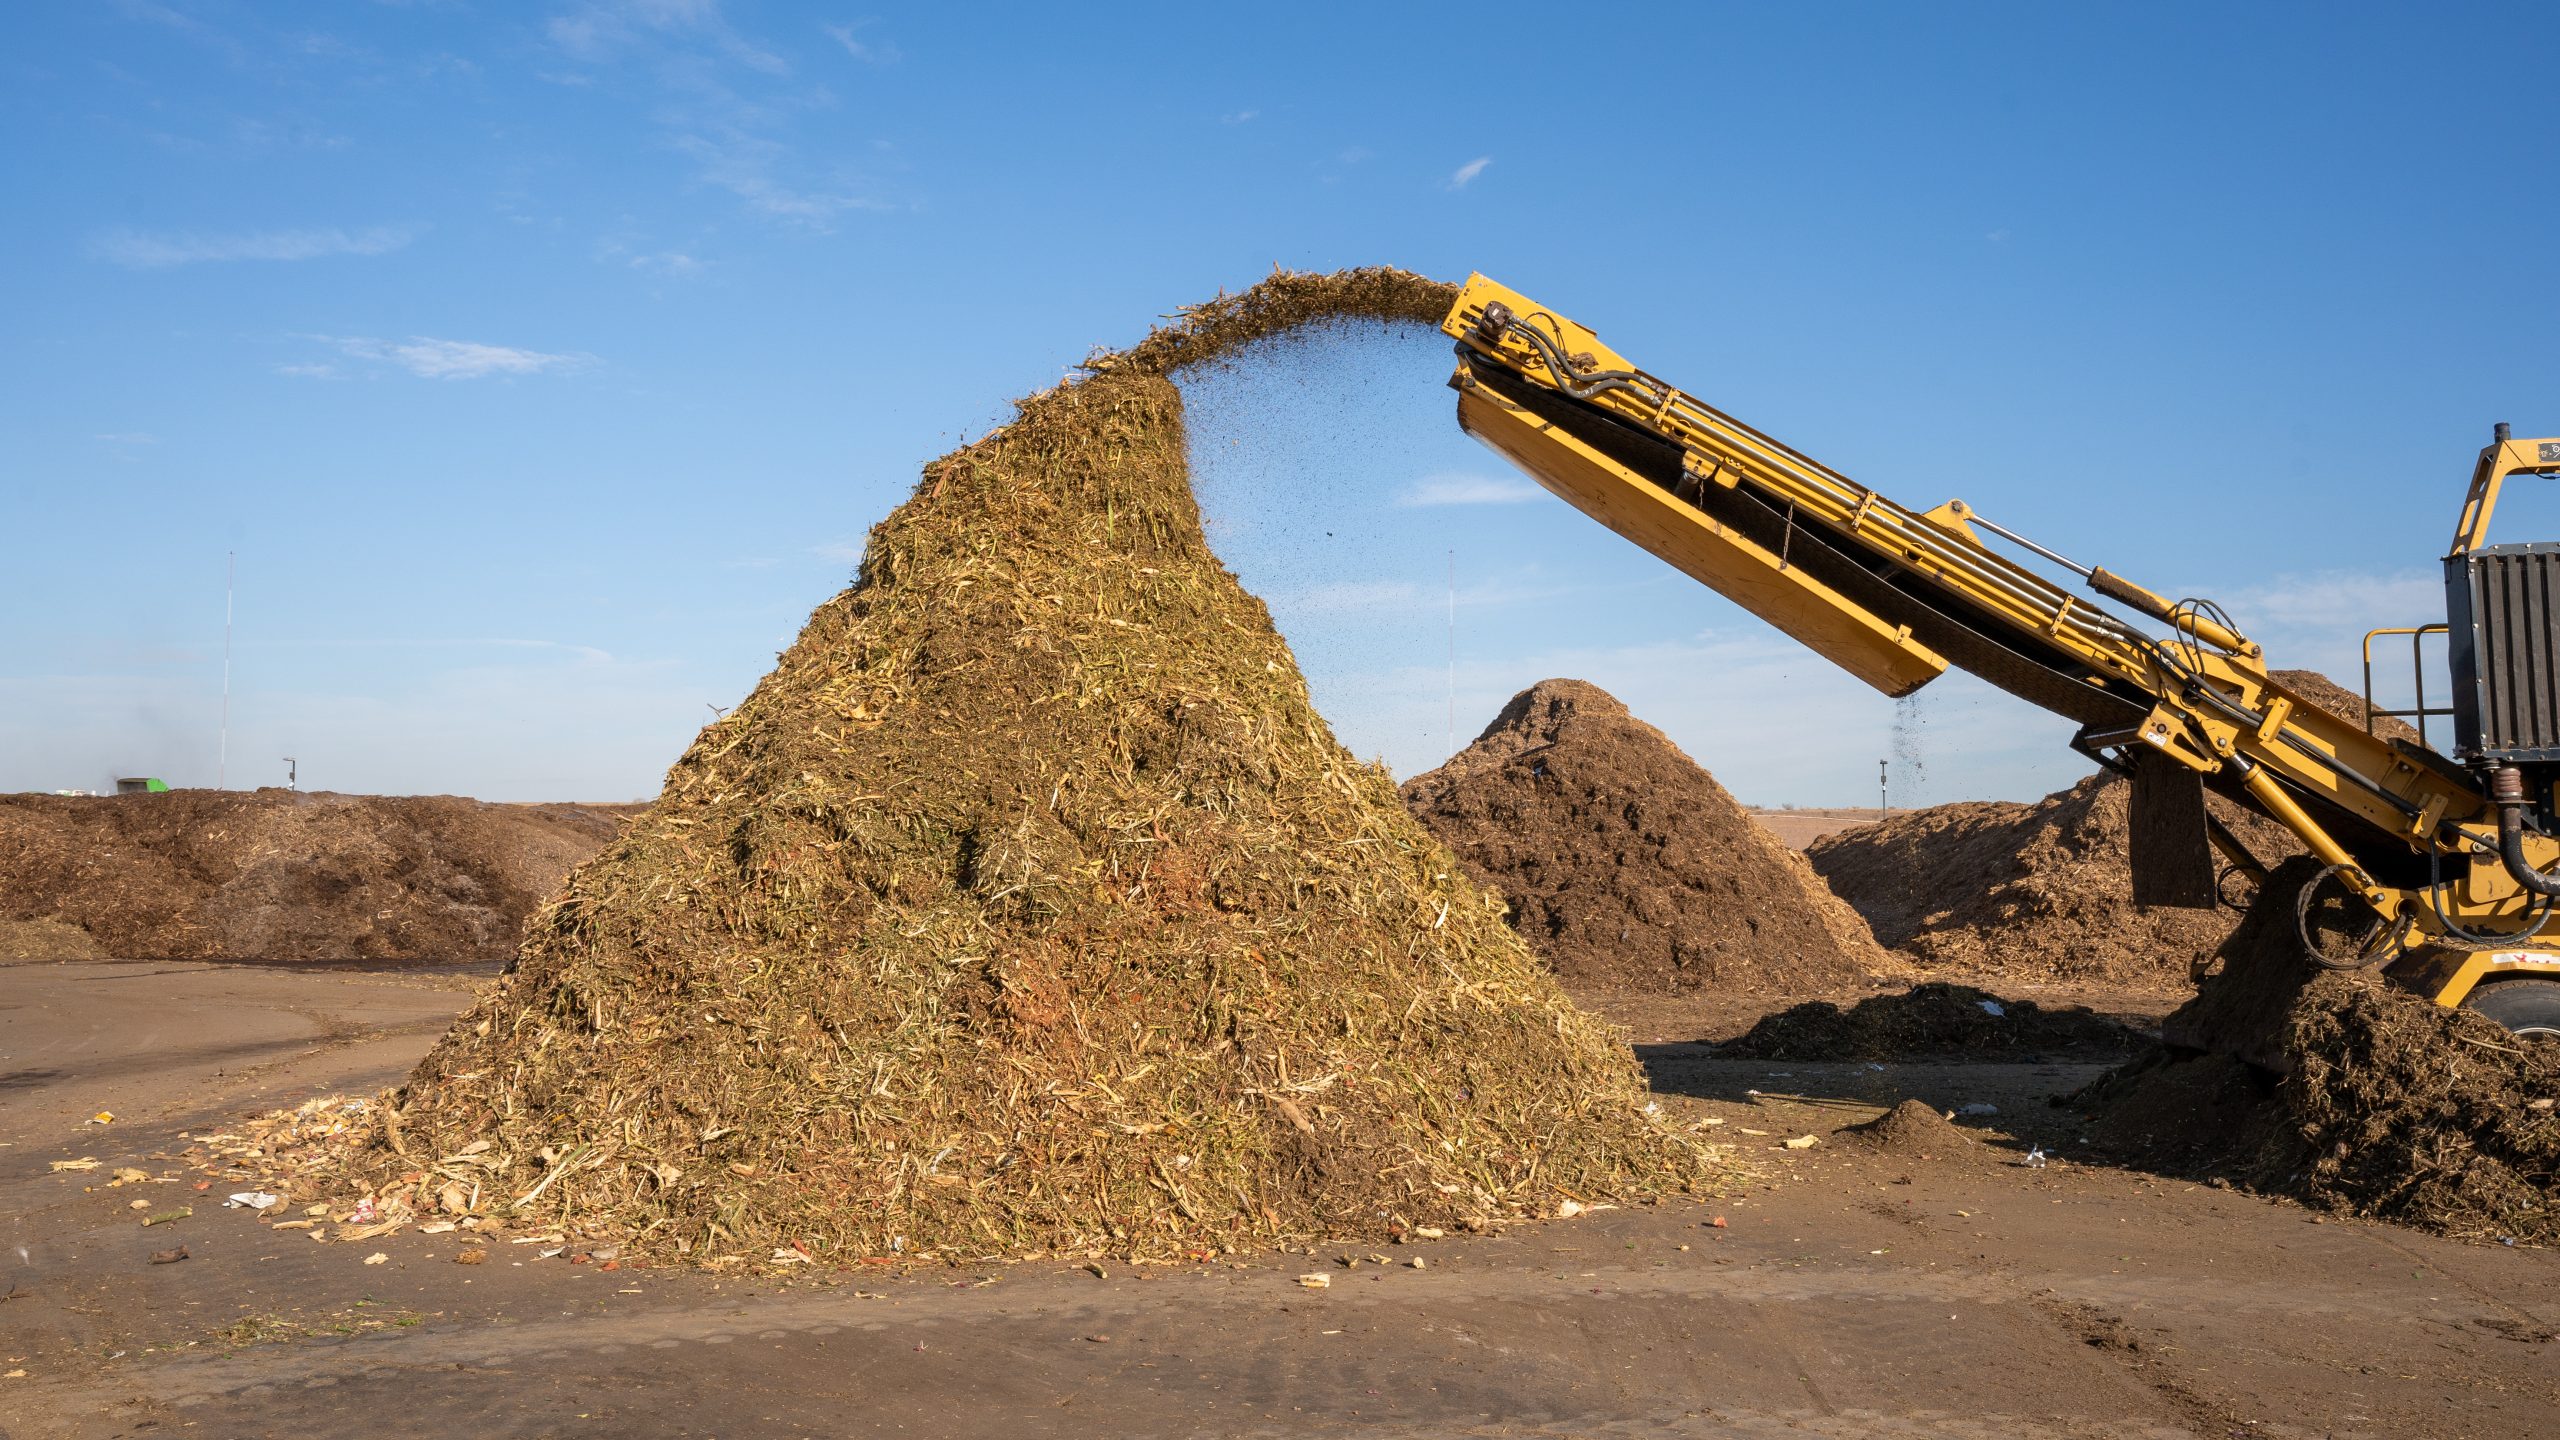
1856, 1294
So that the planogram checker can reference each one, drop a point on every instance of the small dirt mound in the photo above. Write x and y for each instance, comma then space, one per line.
1626, 866
284, 875
1930, 1020
1916, 1130
2389, 1105
1029, 907
2045, 891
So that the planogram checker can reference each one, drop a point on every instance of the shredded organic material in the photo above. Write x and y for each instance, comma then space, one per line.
2045, 891
1028, 907
2388, 1105
1626, 865
282, 875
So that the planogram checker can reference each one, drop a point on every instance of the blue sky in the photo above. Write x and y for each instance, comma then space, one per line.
545, 364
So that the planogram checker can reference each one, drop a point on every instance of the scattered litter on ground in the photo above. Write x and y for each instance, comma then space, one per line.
252, 1200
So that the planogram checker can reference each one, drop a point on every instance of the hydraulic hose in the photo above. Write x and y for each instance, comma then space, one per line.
2507, 792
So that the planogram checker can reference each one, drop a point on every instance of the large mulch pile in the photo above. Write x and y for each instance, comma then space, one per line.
2381, 1103
2044, 890
1625, 864
1931, 1020
282, 875
1029, 907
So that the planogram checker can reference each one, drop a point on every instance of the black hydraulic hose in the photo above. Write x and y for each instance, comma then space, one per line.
1579, 385
2506, 791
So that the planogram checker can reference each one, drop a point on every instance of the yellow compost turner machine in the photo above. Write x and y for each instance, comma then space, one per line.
2446, 864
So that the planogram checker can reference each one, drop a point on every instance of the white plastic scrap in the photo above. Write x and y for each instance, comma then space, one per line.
1978, 1108
1991, 1008
252, 1200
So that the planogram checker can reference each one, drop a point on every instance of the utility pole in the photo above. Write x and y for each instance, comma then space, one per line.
1881, 807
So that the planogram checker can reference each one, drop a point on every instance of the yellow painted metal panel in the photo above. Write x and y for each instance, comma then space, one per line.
1834, 626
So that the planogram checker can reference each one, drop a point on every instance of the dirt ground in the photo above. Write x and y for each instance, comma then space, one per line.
1860, 1288
1801, 827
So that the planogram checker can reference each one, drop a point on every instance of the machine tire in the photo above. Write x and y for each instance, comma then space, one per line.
2528, 1006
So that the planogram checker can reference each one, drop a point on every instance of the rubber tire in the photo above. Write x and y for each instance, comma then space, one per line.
2528, 1006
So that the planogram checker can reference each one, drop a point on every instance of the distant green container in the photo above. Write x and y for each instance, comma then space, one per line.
141, 785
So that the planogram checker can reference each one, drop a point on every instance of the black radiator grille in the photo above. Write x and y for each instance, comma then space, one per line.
2503, 604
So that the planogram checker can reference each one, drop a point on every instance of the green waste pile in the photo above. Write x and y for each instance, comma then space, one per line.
1028, 907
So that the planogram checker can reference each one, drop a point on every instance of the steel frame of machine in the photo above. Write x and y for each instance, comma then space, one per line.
2452, 867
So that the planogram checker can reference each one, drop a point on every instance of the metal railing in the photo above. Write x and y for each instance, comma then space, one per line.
2417, 675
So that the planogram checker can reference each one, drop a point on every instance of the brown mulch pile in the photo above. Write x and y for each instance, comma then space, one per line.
1029, 907
282, 875
1626, 866
1927, 1020
2388, 1105
2043, 891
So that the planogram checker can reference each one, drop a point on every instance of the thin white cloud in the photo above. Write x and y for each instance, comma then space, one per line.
1458, 488
1239, 117
320, 370
1465, 174
667, 265
658, 264
2338, 600
841, 552
744, 165
869, 52
1403, 596
1358, 595
433, 359
143, 251
737, 130
598, 33
130, 437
